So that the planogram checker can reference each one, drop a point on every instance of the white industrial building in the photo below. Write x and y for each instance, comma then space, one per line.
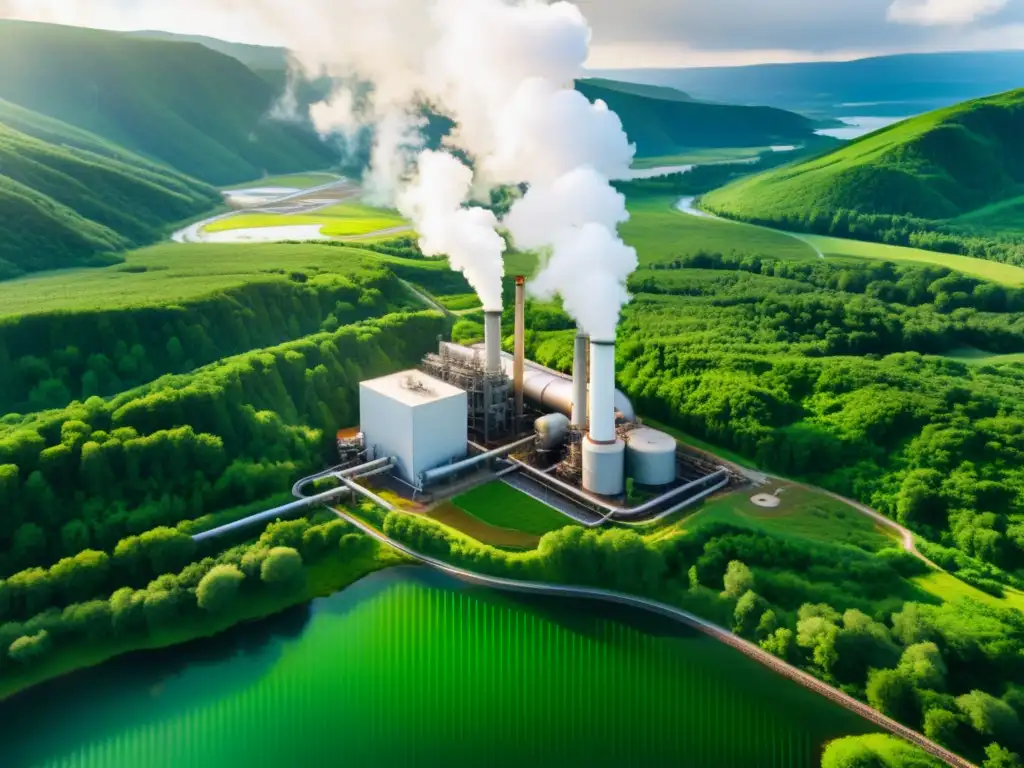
418, 419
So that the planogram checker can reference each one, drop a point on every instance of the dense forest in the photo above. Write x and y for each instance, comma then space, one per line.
949, 180
237, 431
54, 357
836, 372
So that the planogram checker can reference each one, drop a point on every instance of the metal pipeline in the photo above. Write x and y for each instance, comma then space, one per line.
432, 476
612, 509
545, 387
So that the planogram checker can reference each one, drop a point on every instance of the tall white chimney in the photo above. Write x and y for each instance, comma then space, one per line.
492, 343
604, 455
602, 391
579, 380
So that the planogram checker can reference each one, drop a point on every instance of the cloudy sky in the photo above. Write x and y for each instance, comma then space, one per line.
644, 33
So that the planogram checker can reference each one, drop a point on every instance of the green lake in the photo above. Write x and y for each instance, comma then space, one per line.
408, 667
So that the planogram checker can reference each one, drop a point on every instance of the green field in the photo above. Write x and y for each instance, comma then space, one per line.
171, 273
802, 512
949, 588
502, 506
998, 272
341, 220
661, 234
293, 180
701, 155
974, 356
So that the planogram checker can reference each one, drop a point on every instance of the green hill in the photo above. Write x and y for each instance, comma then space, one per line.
71, 199
255, 57
949, 180
197, 110
664, 121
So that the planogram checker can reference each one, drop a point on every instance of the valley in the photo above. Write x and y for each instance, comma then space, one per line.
194, 295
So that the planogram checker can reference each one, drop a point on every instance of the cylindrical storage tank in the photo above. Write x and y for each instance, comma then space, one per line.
602, 391
650, 457
552, 431
604, 467
492, 343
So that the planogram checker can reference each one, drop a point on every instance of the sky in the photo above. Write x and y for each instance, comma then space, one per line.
641, 33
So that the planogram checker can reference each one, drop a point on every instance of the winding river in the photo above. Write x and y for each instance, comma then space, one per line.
408, 667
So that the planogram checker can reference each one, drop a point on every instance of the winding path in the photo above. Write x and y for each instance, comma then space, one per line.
685, 617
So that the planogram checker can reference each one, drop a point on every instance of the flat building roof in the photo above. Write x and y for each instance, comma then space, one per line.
412, 388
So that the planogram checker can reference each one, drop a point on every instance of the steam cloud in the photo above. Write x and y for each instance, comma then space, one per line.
503, 70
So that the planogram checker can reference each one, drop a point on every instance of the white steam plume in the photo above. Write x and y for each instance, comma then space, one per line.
434, 202
503, 71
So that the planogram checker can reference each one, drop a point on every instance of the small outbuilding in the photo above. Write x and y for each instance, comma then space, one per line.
418, 419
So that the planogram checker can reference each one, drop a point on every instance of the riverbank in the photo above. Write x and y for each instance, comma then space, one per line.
322, 579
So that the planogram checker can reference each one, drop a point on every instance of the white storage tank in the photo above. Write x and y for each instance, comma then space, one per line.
552, 431
651, 457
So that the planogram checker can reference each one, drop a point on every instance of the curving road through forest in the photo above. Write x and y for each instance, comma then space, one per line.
685, 617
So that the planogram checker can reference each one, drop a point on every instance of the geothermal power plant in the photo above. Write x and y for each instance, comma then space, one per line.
470, 414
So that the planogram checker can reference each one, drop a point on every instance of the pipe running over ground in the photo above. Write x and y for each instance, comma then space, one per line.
684, 617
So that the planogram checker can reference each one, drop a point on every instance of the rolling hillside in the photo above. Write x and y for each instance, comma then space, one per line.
937, 166
197, 110
663, 121
898, 85
72, 199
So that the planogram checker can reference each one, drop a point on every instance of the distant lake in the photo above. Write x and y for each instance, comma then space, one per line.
858, 126
408, 667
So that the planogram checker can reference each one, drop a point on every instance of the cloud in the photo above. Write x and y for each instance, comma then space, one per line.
943, 12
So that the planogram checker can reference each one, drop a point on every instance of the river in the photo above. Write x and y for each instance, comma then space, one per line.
408, 667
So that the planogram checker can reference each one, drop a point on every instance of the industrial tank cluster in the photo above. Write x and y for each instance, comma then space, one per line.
425, 417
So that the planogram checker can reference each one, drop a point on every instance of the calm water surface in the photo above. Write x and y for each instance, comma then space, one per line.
410, 668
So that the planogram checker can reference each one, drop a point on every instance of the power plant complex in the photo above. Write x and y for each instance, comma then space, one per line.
469, 414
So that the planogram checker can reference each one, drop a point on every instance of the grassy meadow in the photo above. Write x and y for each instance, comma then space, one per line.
661, 234
341, 220
997, 272
502, 506
171, 273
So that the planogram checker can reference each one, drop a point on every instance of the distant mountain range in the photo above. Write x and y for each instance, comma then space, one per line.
186, 105
665, 121
899, 85
70, 198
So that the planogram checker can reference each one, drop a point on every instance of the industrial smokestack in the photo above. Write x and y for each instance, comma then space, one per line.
579, 380
519, 366
604, 455
602, 391
492, 343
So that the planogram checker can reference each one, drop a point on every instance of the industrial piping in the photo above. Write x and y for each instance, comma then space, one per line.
547, 388
432, 476
518, 367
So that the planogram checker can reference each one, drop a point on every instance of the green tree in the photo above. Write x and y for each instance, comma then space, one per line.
748, 609
779, 643
28, 649
940, 725
892, 693
1000, 757
924, 665
218, 588
282, 568
988, 715
738, 579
